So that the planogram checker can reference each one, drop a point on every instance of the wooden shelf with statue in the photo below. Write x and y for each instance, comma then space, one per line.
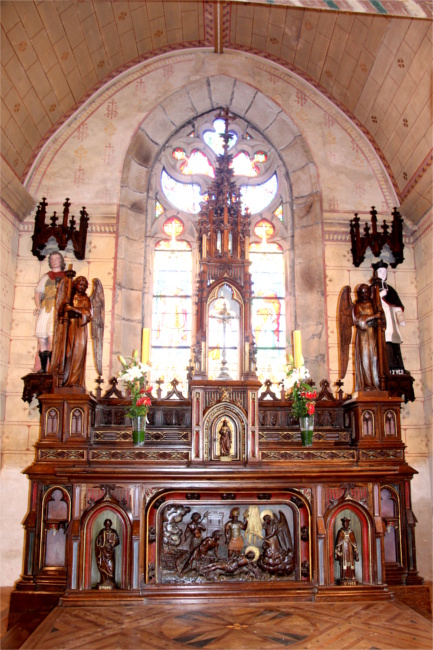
385, 301
63, 311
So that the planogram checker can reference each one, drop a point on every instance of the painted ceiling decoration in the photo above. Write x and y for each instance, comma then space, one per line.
370, 58
416, 8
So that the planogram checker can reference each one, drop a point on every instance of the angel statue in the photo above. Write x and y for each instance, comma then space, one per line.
366, 320
74, 310
278, 557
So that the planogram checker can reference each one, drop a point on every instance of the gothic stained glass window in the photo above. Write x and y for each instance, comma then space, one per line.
173, 227
214, 139
196, 163
279, 212
257, 197
171, 313
244, 165
268, 308
159, 209
184, 173
185, 196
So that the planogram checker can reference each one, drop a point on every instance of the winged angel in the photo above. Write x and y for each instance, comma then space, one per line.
278, 555
74, 310
366, 320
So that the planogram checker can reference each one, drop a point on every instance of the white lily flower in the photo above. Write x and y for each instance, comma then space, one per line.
303, 372
289, 382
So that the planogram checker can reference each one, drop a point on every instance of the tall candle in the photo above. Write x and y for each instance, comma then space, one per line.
145, 345
297, 348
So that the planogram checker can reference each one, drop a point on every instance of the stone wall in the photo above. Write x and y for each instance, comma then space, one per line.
13, 484
418, 425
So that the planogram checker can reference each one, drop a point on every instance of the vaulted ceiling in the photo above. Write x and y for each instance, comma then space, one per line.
371, 58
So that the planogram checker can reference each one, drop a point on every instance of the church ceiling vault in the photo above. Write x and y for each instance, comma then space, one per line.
373, 63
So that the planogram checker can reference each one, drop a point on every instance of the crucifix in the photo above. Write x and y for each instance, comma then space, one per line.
224, 316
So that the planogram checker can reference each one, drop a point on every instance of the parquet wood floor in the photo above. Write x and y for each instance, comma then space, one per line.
235, 625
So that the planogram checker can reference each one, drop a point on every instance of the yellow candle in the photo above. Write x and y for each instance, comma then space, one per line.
297, 348
145, 345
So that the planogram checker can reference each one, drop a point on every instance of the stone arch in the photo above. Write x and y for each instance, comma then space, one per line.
306, 283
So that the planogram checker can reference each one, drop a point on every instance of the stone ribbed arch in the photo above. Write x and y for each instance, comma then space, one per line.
305, 282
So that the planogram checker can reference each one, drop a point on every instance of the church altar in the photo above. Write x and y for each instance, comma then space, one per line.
222, 498
167, 499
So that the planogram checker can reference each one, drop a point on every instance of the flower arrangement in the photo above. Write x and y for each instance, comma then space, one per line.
133, 375
296, 386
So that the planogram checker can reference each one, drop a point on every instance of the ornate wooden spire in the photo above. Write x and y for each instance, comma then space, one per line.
223, 228
223, 241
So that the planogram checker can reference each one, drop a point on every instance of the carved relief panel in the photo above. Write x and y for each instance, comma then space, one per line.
225, 537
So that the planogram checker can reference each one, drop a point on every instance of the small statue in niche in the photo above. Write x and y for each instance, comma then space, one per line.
233, 534
225, 438
278, 555
393, 309
45, 299
196, 557
366, 321
346, 552
105, 543
55, 524
194, 530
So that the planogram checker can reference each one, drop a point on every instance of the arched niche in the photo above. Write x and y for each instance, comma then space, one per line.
305, 285
363, 529
56, 507
52, 420
390, 511
225, 329
92, 524
213, 422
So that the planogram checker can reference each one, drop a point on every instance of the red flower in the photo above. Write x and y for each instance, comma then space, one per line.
311, 407
143, 401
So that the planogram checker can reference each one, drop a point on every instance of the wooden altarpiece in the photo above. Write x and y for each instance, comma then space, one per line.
222, 499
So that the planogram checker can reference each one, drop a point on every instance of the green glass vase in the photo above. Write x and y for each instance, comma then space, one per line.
307, 428
138, 430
